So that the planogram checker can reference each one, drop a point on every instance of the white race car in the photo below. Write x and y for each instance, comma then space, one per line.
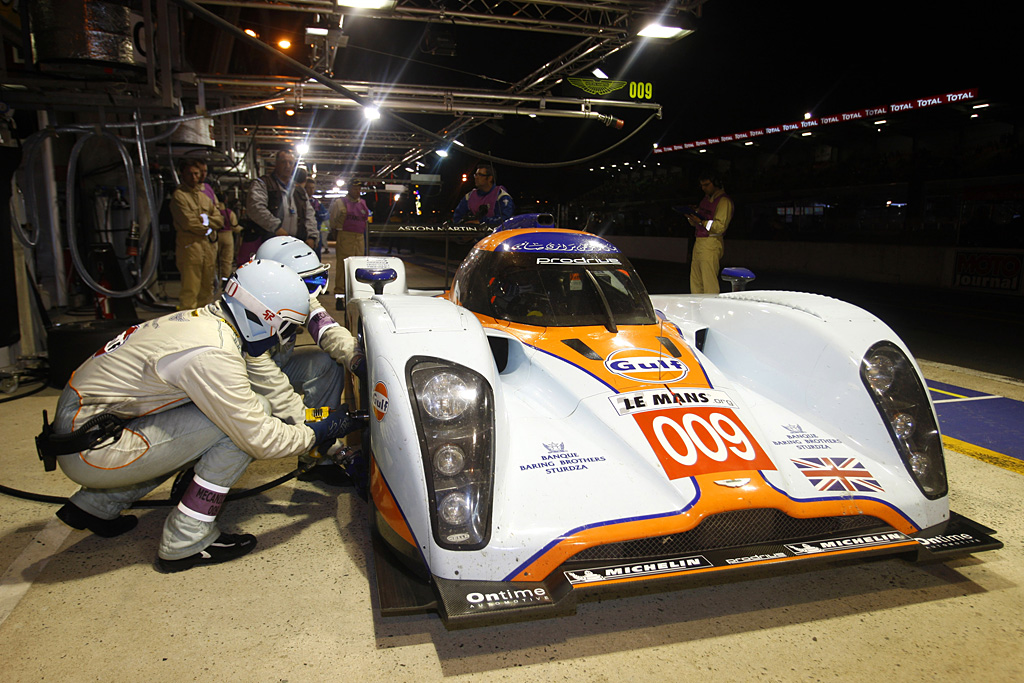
545, 427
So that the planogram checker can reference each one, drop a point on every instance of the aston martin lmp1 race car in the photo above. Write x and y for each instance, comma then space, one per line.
545, 427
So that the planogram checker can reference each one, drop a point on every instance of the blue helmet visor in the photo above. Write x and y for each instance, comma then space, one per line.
316, 283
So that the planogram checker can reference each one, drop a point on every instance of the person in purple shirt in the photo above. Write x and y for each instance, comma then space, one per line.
488, 204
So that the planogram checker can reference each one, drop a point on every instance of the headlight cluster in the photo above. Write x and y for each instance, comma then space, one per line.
900, 397
455, 419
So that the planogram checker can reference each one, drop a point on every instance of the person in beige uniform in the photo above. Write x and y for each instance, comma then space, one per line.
197, 223
193, 387
714, 213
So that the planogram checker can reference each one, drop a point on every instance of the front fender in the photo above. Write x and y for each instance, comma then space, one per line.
396, 329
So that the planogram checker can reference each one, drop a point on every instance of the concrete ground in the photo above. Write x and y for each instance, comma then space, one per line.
76, 607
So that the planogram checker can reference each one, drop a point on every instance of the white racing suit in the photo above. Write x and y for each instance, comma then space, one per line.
317, 374
191, 397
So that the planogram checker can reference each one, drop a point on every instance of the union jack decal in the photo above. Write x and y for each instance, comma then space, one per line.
837, 474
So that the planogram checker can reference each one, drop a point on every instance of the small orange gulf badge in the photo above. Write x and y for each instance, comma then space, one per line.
380, 401
693, 431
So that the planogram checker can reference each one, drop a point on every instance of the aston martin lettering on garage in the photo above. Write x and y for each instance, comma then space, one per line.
627, 403
812, 547
611, 573
645, 365
692, 441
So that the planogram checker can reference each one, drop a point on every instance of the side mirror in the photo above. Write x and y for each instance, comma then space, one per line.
376, 278
739, 277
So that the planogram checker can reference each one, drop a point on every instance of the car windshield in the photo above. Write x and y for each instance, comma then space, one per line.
553, 290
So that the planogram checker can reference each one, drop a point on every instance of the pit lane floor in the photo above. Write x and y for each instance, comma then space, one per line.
76, 607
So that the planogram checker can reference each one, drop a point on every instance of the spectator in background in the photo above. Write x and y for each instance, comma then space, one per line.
320, 211
271, 208
349, 216
488, 204
711, 220
304, 199
225, 260
197, 223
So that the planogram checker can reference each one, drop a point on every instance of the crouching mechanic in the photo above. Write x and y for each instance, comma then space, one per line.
315, 372
177, 390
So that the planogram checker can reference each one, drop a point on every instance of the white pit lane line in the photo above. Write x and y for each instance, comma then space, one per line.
19, 577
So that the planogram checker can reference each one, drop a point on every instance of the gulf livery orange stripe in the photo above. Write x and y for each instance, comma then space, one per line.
713, 499
632, 342
386, 504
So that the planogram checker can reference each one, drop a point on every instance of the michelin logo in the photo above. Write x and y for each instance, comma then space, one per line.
623, 571
831, 545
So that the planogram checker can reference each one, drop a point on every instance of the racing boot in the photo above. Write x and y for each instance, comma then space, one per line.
192, 525
77, 518
226, 547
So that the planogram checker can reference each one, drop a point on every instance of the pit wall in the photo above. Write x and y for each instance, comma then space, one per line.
993, 271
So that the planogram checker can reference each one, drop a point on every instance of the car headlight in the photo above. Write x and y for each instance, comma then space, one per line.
454, 410
902, 401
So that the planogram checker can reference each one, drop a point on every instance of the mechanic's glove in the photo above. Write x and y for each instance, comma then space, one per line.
330, 427
357, 366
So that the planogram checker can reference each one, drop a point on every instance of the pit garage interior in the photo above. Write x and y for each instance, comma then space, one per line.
77, 607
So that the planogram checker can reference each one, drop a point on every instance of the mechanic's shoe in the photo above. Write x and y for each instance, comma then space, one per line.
329, 474
226, 547
76, 517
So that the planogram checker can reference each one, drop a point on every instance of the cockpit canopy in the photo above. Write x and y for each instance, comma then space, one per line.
552, 279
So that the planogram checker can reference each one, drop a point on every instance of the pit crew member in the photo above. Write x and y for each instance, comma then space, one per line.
178, 390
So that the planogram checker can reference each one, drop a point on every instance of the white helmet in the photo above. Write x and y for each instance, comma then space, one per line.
266, 298
297, 255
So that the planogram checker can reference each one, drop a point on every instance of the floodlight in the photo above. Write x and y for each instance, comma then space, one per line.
367, 4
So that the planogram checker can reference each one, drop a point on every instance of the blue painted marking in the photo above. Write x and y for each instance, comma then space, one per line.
943, 391
989, 421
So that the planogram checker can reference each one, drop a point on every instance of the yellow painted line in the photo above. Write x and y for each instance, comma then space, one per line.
984, 454
947, 393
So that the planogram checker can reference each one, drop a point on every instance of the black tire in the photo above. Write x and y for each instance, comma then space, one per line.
70, 344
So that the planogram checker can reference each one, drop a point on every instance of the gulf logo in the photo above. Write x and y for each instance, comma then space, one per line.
380, 401
645, 365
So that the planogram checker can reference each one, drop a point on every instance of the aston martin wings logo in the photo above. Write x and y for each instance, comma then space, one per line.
597, 86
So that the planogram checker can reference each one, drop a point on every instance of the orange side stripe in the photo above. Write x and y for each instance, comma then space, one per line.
713, 499
386, 504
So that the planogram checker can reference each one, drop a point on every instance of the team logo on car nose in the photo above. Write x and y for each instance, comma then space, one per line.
645, 365
380, 401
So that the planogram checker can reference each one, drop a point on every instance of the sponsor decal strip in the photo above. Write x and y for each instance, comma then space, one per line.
859, 114
675, 566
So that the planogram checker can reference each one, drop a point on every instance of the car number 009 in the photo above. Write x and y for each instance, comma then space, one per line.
706, 436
